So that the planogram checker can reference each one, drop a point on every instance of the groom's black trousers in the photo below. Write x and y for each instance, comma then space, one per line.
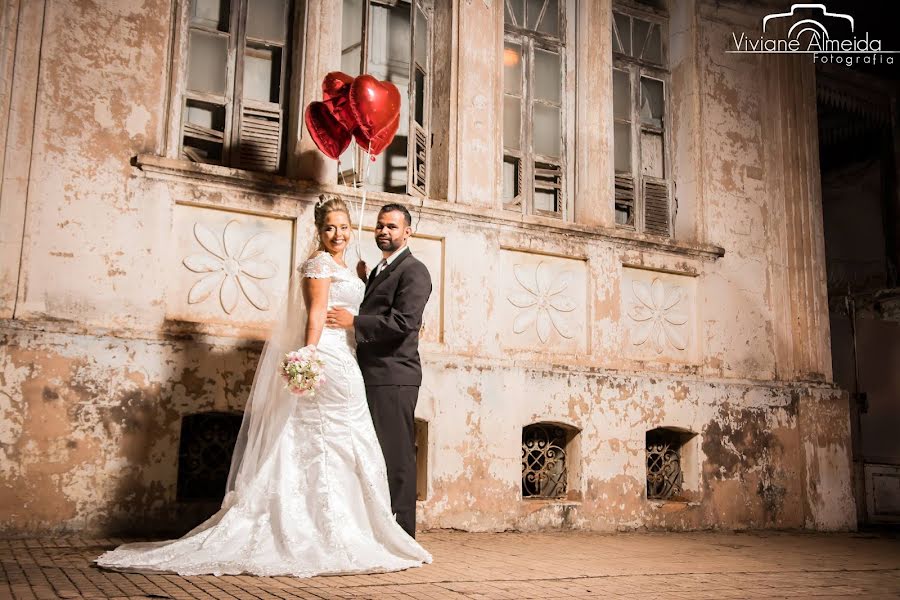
393, 414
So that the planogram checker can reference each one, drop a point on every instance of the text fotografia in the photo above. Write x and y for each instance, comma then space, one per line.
806, 35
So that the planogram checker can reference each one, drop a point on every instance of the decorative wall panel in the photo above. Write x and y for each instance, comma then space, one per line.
228, 268
659, 315
542, 302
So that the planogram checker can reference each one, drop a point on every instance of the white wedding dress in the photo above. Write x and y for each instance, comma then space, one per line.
319, 503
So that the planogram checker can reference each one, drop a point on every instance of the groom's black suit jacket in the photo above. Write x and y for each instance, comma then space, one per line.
388, 323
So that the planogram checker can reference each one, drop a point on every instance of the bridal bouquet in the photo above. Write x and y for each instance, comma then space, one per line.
303, 371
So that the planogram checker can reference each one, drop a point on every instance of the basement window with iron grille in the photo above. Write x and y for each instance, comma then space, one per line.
544, 461
641, 130
204, 454
234, 99
668, 463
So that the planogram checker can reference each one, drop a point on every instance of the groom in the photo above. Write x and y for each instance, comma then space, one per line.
387, 348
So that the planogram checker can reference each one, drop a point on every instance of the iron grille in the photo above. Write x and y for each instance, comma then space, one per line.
543, 461
204, 454
664, 476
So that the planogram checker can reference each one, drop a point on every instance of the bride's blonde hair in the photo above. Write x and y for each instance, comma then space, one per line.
328, 203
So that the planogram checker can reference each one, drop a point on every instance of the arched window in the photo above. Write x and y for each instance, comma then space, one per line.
642, 123
669, 463
547, 457
535, 88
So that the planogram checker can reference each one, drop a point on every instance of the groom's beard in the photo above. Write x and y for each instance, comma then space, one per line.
388, 245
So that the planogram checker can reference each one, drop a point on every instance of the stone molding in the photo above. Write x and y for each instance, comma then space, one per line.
179, 170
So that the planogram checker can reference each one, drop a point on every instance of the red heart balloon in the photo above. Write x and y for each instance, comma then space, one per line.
376, 108
336, 84
330, 136
375, 146
336, 94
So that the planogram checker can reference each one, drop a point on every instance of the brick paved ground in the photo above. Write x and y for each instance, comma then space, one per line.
511, 565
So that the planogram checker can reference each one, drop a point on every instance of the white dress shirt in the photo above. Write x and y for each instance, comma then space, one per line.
385, 262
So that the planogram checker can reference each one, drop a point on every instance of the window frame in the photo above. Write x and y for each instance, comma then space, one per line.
638, 68
563, 45
419, 137
179, 94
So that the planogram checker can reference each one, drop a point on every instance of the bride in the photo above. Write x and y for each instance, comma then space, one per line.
307, 492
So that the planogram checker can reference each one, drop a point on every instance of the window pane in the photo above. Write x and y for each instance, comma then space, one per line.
350, 61
545, 200
623, 24
510, 178
550, 23
210, 13
546, 130
207, 61
399, 30
512, 115
653, 49
533, 11
512, 68
395, 163
389, 40
622, 146
419, 92
204, 126
267, 20
617, 47
262, 74
623, 214
652, 162
652, 102
351, 22
547, 187
621, 95
207, 116
346, 163
547, 75
421, 41
517, 16
641, 29
351, 36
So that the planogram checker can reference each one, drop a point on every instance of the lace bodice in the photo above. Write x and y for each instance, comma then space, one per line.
346, 289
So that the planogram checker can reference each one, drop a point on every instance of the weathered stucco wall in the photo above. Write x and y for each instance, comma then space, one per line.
90, 436
102, 354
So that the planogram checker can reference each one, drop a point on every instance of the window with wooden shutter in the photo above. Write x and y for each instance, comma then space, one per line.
640, 130
392, 41
534, 84
420, 97
236, 80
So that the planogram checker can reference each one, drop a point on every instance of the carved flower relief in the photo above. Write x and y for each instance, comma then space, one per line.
543, 303
231, 267
657, 315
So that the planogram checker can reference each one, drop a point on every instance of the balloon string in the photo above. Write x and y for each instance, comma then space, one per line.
362, 207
